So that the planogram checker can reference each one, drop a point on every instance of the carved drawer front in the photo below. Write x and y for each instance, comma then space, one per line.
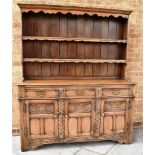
41, 93
113, 116
78, 117
80, 93
43, 118
116, 92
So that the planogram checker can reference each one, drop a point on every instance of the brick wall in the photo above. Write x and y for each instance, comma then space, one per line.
134, 68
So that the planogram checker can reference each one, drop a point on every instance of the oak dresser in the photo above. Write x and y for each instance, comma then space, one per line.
74, 85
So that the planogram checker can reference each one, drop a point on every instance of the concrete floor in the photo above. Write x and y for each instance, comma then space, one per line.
94, 148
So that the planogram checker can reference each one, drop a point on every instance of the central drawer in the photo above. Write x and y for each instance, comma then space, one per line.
41, 93
80, 93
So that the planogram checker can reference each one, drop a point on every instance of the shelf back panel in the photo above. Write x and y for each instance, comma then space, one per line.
73, 50
59, 25
36, 69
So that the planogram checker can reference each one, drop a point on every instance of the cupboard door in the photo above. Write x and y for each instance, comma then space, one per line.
78, 117
42, 118
113, 116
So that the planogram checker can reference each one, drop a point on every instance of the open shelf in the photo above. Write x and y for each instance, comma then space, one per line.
73, 60
41, 38
66, 46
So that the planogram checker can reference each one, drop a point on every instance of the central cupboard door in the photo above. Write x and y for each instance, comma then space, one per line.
78, 117
42, 118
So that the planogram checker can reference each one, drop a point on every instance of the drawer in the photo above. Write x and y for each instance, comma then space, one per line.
80, 93
41, 93
116, 92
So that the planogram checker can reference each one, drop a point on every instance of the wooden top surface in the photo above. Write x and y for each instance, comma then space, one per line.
76, 82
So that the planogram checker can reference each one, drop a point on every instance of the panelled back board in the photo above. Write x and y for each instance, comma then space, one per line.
75, 37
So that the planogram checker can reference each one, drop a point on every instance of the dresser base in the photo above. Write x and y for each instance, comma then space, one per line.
75, 111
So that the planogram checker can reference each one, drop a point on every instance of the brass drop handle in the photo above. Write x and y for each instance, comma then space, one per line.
55, 116
66, 116
116, 92
41, 93
79, 92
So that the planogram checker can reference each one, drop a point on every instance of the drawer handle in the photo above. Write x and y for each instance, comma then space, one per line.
79, 92
41, 93
116, 92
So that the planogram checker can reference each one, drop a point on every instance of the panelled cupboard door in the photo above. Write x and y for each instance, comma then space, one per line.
78, 117
42, 118
114, 116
